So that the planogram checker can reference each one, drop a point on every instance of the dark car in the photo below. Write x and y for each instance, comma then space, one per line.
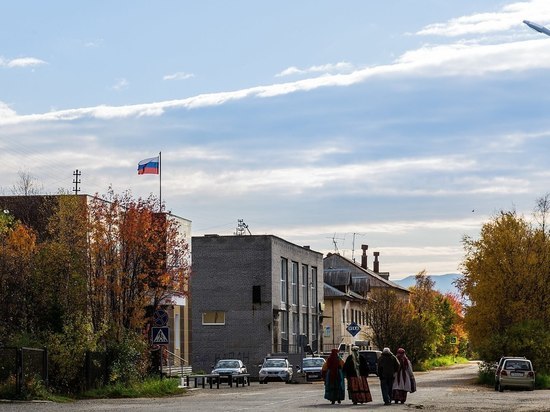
311, 368
372, 358
226, 367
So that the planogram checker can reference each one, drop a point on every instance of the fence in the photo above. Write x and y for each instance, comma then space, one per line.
23, 364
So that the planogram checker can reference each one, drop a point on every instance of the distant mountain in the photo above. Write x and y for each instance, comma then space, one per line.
443, 283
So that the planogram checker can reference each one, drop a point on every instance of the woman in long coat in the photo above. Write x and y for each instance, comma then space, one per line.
403, 381
356, 370
333, 376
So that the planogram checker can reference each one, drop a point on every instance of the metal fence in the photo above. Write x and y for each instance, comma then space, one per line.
24, 366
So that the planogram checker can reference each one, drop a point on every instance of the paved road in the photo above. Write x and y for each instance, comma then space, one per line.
446, 389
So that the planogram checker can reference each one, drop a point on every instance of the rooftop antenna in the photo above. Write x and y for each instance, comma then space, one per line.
334, 239
242, 228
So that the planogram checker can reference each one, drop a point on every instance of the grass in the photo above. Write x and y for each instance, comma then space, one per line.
149, 388
441, 361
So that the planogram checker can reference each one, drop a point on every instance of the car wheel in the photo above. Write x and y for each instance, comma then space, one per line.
532, 388
500, 387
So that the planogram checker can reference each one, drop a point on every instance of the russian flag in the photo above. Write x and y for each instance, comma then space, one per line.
149, 166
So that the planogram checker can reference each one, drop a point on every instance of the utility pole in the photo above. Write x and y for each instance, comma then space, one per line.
77, 173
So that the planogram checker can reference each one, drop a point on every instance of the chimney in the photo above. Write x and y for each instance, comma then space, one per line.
376, 264
364, 256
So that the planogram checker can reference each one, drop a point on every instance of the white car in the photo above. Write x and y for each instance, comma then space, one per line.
276, 369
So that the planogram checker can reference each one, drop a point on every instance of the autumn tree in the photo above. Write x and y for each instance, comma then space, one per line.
506, 278
136, 257
422, 323
17, 252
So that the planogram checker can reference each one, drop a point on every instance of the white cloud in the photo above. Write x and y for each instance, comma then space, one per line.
6, 111
21, 62
341, 67
508, 17
437, 61
121, 84
178, 76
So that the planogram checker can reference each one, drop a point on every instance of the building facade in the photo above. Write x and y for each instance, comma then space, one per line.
252, 296
347, 286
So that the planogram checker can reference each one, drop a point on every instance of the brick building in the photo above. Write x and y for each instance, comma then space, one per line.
252, 296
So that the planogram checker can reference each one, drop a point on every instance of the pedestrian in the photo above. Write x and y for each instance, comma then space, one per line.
356, 371
388, 365
403, 380
333, 376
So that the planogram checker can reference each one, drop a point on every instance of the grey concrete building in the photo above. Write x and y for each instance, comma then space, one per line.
252, 296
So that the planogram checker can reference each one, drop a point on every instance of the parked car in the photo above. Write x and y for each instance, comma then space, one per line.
275, 369
311, 368
229, 367
372, 358
516, 372
499, 367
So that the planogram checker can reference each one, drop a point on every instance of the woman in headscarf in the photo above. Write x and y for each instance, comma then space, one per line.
356, 370
403, 380
333, 376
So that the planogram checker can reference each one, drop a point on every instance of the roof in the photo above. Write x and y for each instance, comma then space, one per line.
341, 264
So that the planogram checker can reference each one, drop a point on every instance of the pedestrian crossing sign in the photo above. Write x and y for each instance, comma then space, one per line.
161, 335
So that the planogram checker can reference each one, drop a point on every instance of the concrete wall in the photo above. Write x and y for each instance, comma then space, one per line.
225, 270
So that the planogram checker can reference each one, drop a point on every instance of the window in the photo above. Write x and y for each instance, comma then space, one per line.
284, 325
343, 315
284, 279
294, 283
314, 300
213, 318
305, 291
295, 327
305, 324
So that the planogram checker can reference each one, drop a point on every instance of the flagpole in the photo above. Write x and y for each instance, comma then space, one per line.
160, 183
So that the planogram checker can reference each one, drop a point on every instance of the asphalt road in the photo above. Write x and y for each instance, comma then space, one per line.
445, 389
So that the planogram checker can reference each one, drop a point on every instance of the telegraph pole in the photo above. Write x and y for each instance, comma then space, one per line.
77, 173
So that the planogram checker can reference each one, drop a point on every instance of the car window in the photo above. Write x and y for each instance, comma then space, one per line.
521, 365
274, 364
313, 362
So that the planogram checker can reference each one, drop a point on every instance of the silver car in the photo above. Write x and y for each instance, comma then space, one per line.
276, 369
516, 372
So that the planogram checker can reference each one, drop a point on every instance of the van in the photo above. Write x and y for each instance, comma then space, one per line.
372, 358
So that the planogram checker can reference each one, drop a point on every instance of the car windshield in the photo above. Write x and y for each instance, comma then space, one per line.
274, 363
227, 364
309, 362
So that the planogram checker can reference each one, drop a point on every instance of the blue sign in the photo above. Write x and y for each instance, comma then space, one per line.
160, 318
353, 328
161, 336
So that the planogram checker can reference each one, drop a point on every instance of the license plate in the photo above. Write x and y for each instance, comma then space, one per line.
516, 373
313, 375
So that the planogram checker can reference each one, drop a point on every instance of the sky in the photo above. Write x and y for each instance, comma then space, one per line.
401, 125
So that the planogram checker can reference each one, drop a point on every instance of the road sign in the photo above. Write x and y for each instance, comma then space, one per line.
160, 317
353, 328
161, 336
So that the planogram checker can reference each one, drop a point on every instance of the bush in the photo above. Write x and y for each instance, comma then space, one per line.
542, 381
129, 359
486, 373
149, 388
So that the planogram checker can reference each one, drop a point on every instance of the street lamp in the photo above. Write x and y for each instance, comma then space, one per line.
537, 27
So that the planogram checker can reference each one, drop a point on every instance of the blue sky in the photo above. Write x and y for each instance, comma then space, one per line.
404, 126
